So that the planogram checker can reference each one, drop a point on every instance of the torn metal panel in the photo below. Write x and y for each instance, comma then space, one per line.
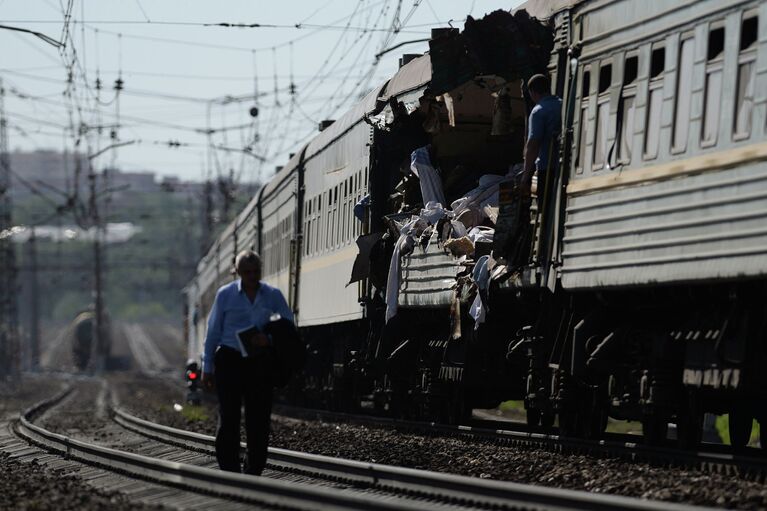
410, 78
365, 244
510, 46
403, 91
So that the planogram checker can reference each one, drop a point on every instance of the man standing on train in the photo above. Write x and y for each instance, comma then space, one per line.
544, 124
238, 362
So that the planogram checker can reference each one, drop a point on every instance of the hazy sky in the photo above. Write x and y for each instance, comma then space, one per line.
174, 68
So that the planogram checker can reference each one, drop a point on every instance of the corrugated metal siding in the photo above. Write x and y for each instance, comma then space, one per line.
428, 277
710, 225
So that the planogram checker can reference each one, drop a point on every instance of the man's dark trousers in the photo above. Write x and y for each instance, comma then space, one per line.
241, 379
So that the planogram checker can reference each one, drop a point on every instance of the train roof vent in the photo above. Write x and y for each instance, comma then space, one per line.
278, 168
407, 57
324, 124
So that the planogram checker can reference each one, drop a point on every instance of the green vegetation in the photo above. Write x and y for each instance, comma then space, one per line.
194, 413
723, 427
143, 276
508, 406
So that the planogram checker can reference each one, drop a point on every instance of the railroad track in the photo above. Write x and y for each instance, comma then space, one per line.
713, 458
338, 484
148, 357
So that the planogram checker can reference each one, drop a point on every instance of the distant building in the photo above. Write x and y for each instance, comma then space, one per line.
49, 170
46, 169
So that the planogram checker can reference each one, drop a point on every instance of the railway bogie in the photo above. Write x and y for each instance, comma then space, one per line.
632, 286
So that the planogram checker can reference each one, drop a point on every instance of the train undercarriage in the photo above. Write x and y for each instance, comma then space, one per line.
659, 357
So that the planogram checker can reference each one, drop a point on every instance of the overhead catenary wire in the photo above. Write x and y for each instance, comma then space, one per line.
218, 24
53, 42
353, 85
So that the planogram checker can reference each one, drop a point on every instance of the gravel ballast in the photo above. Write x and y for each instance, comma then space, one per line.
476, 458
30, 484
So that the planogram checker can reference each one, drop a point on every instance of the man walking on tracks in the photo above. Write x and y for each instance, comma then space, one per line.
238, 361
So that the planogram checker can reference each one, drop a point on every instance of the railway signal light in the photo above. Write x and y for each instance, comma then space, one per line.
192, 383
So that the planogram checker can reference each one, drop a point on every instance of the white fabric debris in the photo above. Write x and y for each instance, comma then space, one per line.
481, 234
481, 276
471, 208
477, 312
429, 177
459, 230
433, 212
404, 245
409, 232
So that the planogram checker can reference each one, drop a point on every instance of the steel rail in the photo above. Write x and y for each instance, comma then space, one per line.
241, 487
448, 488
708, 458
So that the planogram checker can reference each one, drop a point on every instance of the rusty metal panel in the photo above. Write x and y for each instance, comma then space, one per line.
710, 225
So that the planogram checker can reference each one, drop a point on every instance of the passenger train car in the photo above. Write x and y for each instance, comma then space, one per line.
632, 287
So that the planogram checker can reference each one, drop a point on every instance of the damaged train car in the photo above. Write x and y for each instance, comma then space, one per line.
427, 282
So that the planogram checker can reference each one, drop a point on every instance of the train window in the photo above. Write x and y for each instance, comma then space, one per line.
585, 87
347, 200
744, 103
348, 219
657, 62
654, 103
715, 43
748, 33
628, 96
713, 86
605, 77
586, 84
339, 216
331, 221
630, 70
352, 220
683, 94
309, 238
603, 115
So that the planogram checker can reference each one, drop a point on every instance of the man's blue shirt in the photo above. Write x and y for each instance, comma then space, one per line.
544, 125
232, 312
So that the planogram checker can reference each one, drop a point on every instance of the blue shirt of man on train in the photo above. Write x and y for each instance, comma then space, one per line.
243, 376
544, 125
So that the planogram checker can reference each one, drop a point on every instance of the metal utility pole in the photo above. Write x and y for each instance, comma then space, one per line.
9, 339
34, 303
98, 300
207, 223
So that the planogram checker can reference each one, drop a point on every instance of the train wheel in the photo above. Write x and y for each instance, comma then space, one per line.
654, 429
568, 423
740, 428
533, 418
593, 422
547, 420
